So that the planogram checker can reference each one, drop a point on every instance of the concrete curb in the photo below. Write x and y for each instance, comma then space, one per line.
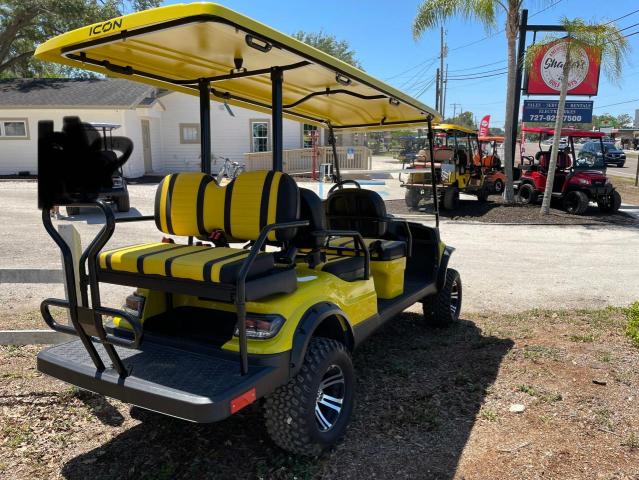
30, 275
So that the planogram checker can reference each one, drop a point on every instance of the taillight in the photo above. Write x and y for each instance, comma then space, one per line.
134, 305
261, 326
238, 403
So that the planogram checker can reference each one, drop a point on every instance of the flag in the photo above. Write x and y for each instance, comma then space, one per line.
483, 126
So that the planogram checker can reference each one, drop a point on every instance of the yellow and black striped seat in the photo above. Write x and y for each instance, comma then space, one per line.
191, 204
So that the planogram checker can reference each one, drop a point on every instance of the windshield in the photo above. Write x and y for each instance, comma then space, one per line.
590, 160
610, 147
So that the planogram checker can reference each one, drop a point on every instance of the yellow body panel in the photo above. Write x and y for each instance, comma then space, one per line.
389, 277
173, 46
357, 300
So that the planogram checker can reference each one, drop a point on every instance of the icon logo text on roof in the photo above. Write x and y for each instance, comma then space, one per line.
106, 26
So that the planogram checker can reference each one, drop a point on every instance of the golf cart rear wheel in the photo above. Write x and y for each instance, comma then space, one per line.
442, 309
310, 413
412, 197
611, 204
451, 198
576, 202
527, 194
498, 187
122, 203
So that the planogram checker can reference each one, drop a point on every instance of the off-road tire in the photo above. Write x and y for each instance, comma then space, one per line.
451, 198
437, 308
290, 410
576, 202
412, 197
123, 203
527, 194
73, 211
612, 205
498, 187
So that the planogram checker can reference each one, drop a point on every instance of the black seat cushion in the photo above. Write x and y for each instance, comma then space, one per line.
379, 249
357, 209
348, 269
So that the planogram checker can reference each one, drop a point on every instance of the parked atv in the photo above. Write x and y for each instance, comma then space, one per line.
576, 183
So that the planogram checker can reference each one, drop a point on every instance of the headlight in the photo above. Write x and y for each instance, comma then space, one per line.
584, 181
117, 182
261, 326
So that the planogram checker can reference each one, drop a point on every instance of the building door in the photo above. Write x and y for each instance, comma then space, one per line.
146, 146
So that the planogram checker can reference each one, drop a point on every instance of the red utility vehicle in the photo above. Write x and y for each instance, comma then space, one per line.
579, 178
494, 177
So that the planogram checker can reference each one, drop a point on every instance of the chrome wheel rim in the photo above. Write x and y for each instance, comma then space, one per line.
330, 398
454, 298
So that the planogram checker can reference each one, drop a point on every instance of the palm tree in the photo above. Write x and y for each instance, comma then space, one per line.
433, 12
603, 38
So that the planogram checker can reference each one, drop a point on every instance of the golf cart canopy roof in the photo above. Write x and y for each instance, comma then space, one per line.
493, 138
180, 46
106, 126
565, 132
451, 128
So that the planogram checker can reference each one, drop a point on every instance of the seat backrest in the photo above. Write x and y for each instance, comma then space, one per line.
311, 209
192, 204
357, 209
444, 155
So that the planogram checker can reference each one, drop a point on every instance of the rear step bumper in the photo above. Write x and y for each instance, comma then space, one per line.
193, 386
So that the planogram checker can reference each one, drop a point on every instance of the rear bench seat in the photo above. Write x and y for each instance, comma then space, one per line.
192, 204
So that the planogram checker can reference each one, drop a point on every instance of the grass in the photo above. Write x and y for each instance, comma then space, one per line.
631, 442
548, 397
488, 414
626, 188
632, 327
587, 338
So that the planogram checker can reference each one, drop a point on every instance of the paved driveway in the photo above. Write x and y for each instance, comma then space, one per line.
503, 267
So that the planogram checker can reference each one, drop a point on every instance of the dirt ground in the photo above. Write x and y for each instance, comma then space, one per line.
431, 404
494, 211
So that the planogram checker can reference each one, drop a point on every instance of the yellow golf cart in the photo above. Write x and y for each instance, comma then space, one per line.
259, 289
457, 163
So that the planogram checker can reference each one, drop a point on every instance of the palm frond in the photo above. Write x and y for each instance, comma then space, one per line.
435, 12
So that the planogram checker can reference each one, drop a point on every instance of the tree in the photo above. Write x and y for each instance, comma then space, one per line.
603, 38
24, 24
329, 44
465, 119
624, 120
433, 12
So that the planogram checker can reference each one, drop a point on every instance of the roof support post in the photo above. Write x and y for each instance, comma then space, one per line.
204, 87
333, 143
433, 180
277, 122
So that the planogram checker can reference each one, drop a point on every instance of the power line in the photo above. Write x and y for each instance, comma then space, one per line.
503, 69
480, 76
619, 103
622, 17
478, 66
411, 68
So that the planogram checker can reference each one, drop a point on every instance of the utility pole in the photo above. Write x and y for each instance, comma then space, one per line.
442, 54
444, 87
437, 90
454, 105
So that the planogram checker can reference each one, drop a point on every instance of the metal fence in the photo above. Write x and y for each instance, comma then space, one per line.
300, 160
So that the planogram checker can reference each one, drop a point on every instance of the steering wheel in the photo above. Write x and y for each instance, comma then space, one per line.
341, 184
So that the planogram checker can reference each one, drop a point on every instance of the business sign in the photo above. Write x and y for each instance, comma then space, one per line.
546, 72
545, 111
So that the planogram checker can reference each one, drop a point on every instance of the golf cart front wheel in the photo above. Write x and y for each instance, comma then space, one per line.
527, 194
576, 202
412, 197
611, 204
310, 413
498, 187
123, 203
443, 308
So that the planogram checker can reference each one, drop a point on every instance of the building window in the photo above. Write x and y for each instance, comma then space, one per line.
259, 136
14, 129
307, 131
189, 133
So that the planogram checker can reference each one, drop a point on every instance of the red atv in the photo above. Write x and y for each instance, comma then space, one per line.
579, 178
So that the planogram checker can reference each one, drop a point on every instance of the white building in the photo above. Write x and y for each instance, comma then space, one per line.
164, 126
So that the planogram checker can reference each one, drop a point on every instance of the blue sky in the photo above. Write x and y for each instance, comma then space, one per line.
380, 33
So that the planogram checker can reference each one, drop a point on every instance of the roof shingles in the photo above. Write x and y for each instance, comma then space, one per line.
71, 92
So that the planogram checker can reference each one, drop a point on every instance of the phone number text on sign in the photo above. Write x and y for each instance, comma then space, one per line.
543, 111
543, 118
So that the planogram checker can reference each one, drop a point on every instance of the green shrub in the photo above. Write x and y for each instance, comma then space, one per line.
632, 328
